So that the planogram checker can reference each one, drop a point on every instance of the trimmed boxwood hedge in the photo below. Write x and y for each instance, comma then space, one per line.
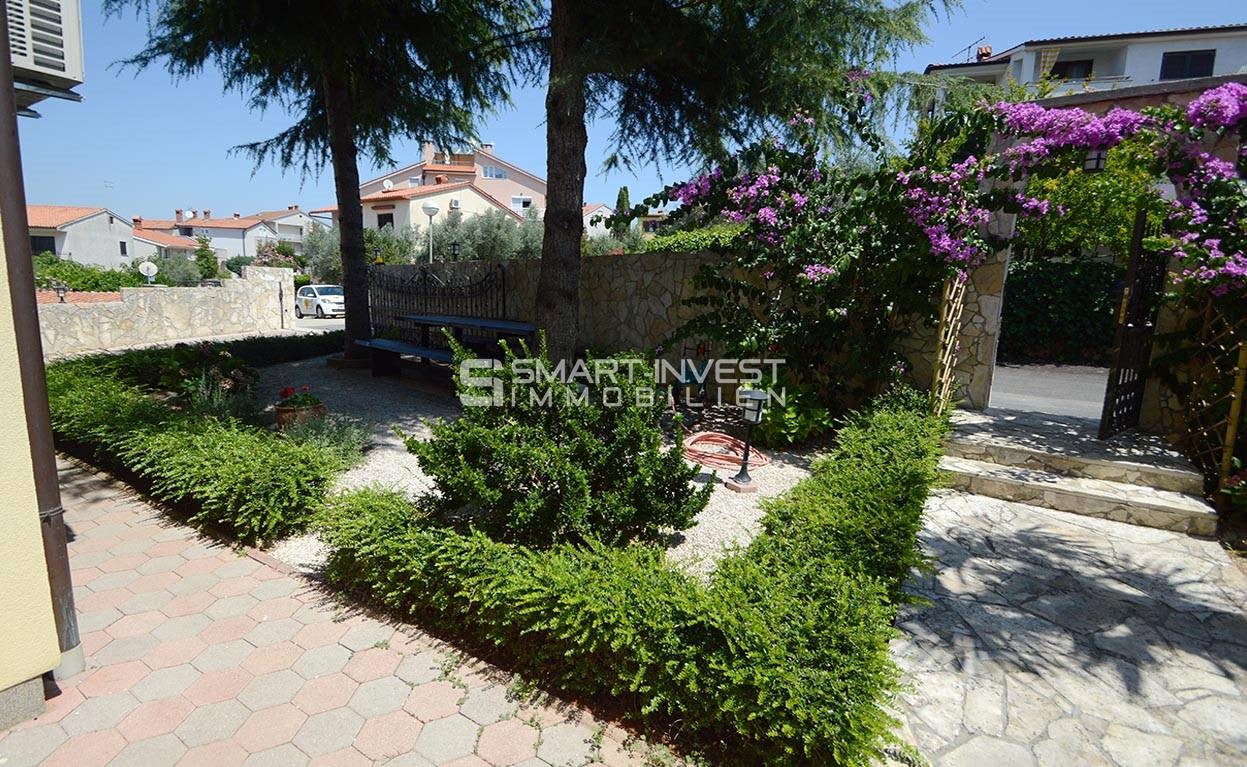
246, 481
781, 658
1060, 311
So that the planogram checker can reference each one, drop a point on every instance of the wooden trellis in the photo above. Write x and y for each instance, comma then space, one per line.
1214, 407
948, 344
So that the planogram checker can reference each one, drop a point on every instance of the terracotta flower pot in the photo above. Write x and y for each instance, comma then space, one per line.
287, 416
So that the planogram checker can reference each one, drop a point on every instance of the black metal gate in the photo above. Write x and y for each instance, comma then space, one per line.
1136, 326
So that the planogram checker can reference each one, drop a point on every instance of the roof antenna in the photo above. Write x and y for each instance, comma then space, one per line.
968, 50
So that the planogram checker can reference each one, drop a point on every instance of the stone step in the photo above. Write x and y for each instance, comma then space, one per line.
1069, 446
1105, 499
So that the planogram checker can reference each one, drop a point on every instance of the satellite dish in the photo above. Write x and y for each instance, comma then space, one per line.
387, 185
148, 269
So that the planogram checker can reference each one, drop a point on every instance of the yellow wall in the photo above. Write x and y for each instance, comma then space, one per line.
28, 644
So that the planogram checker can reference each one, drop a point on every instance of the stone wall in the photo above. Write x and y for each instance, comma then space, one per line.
980, 329
261, 301
630, 301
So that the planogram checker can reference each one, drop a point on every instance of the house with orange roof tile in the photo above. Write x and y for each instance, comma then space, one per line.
88, 235
230, 237
469, 183
149, 243
595, 215
290, 224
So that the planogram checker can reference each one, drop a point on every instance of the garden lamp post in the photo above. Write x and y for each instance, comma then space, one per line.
430, 210
454, 250
752, 402
61, 289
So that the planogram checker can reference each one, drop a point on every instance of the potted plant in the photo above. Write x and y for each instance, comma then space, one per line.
297, 406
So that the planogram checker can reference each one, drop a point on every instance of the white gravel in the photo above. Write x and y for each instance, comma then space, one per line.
730, 519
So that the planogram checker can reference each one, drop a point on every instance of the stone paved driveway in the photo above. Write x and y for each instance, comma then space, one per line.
1056, 639
199, 654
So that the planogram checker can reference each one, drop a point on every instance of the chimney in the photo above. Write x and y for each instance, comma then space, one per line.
177, 215
237, 214
294, 208
194, 213
207, 213
137, 221
488, 148
426, 152
985, 52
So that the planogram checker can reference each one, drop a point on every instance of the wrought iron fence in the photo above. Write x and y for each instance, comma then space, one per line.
397, 291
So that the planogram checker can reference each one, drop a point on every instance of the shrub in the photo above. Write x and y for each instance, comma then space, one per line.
192, 450
717, 237
544, 465
206, 258
51, 269
1061, 311
176, 271
782, 658
346, 438
236, 263
252, 483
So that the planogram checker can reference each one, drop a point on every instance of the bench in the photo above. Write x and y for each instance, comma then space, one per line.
386, 354
411, 305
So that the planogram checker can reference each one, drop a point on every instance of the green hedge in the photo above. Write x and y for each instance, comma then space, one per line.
720, 237
51, 269
1059, 311
247, 481
782, 658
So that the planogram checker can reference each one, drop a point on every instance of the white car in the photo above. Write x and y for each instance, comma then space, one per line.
319, 300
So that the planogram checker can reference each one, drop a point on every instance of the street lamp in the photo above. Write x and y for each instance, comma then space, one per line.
752, 402
454, 250
430, 210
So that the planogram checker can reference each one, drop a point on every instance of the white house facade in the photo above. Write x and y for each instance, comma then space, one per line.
1104, 62
229, 237
471, 183
290, 224
149, 243
87, 235
595, 215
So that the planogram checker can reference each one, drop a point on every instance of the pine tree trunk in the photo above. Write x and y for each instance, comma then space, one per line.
558, 285
340, 117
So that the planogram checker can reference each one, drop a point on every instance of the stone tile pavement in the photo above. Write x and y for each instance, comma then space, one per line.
202, 654
1056, 639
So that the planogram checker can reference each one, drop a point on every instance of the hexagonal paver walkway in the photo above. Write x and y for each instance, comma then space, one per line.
199, 654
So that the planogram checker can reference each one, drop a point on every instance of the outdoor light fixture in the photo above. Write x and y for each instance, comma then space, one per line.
752, 402
61, 289
1094, 161
430, 210
454, 250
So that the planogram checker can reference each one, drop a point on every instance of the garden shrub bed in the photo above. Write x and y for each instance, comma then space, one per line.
237, 477
780, 658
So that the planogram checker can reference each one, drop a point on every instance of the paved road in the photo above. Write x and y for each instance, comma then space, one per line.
1054, 389
311, 323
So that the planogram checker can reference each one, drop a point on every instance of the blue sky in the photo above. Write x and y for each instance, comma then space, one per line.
144, 145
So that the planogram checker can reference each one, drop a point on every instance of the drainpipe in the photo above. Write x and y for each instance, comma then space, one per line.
30, 367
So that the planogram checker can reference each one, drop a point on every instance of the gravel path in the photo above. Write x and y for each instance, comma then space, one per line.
732, 519
407, 402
